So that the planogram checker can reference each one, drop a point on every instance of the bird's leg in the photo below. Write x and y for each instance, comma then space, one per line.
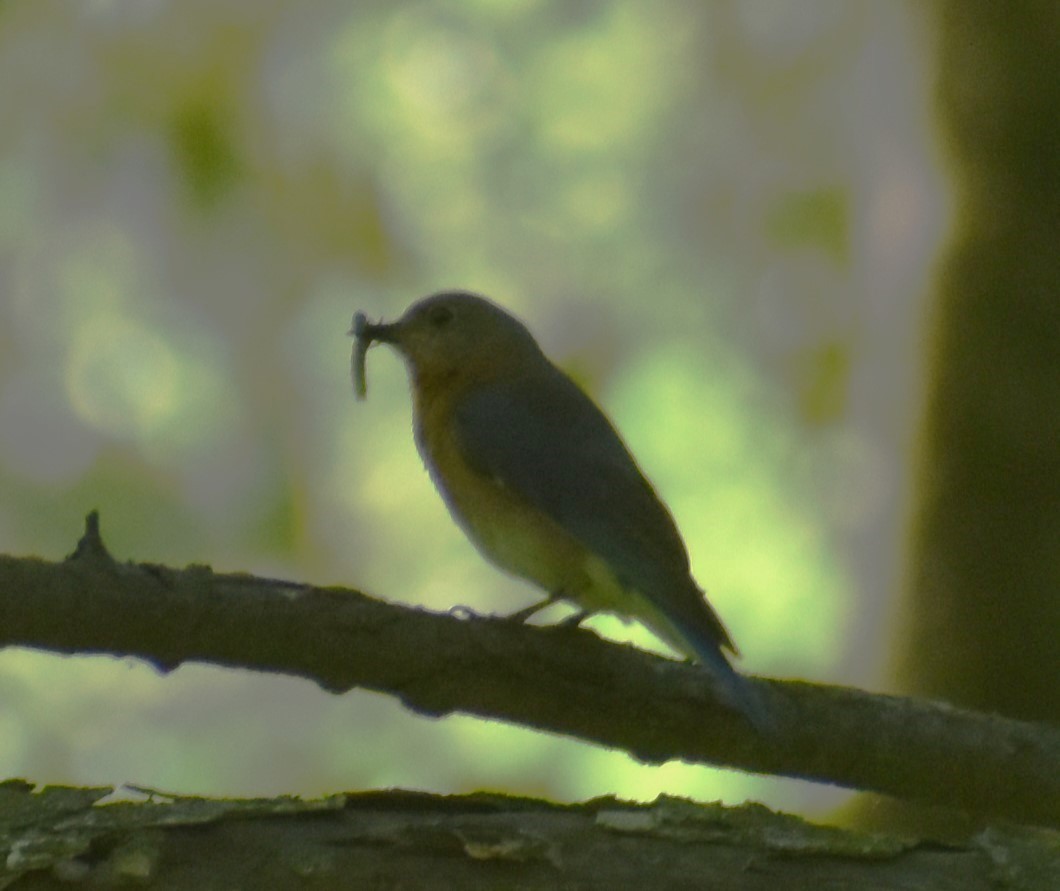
525, 613
576, 619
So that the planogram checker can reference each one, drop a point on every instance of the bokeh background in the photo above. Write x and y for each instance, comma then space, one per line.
721, 218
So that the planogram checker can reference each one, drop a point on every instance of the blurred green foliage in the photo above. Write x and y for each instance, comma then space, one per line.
718, 216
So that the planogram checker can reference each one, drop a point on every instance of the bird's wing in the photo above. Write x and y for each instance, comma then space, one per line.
544, 439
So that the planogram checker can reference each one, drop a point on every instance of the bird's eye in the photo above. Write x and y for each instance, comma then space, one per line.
440, 316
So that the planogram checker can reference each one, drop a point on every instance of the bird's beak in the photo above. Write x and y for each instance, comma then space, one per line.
385, 332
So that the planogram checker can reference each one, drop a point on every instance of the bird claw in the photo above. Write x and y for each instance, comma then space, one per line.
520, 616
573, 621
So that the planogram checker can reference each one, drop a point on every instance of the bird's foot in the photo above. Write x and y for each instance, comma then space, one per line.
573, 621
522, 615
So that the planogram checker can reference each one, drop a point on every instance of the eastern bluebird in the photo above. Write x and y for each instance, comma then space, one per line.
541, 482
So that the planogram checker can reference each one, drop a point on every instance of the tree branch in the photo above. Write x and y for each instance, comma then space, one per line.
62, 837
558, 679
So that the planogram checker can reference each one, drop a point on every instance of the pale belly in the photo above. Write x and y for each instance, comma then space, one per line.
521, 539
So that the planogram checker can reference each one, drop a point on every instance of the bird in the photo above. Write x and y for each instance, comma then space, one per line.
541, 482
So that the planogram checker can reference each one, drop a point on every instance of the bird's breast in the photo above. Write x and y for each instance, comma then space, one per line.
506, 529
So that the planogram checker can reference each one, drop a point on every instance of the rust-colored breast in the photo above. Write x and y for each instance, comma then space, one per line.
507, 531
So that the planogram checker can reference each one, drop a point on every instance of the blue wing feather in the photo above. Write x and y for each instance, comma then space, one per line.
546, 440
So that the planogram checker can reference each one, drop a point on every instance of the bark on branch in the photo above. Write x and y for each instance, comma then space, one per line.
69, 838
558, 679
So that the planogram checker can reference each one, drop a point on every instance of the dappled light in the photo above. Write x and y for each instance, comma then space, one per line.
720, 219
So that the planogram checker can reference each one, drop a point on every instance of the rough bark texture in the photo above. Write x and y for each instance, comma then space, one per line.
561, 679
66, 838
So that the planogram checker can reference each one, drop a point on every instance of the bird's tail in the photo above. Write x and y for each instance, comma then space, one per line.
733, 689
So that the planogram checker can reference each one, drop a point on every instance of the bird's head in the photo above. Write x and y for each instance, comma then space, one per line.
455, 334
